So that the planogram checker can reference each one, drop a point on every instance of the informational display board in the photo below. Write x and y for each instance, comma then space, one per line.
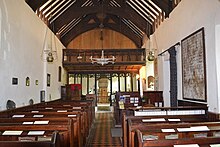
193, 66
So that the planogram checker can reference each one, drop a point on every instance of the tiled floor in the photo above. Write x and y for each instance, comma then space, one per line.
100, 135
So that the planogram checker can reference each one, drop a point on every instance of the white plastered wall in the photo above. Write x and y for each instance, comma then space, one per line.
21, 43
186, 18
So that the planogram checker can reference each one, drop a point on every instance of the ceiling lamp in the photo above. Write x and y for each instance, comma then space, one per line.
150, 57
102, 61
79, 58
49, 52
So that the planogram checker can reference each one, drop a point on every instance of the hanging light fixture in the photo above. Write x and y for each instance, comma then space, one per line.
150, 56
79, 58
102, 60
49, 52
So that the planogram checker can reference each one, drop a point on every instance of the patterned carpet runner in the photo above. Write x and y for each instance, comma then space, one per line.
100, 135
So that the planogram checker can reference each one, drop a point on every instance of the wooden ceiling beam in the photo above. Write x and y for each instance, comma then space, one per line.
127, 13
164, 5
35, 4
84, 26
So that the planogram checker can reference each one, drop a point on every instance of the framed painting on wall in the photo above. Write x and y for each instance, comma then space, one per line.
48, 80
193, 66
14, 81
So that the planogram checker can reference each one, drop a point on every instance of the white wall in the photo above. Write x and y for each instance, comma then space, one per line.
217, 55
21, 44
186, 18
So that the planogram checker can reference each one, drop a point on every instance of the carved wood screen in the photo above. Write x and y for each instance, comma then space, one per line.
193, 66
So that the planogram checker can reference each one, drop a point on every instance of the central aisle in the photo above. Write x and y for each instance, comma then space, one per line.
100, 135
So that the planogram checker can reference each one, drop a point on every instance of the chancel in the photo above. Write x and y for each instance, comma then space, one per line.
122, 73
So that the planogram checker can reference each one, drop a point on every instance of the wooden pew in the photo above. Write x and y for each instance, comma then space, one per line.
55, 141
86, 105
65, 131
78, 129
85, 109
155, 112
162, 131
201, 142
85, 113
84, 125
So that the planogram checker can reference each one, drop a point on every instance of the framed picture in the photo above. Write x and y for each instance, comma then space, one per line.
59, 73
14, 81
42, 96
48, 80
193, 66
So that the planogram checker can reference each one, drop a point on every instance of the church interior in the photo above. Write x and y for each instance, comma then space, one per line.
101, 73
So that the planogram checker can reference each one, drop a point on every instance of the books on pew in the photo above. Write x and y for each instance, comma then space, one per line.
41, 122
149, 113
174, 119
154, 120
72, 115
216, 134
76, 107
12, 132
36, 132
200, 135
172, 136
187, 145
18, 116
28, 123
36, 123
195, 128
214, 145
38, 116
48, 108
44, 138
185, 112
61, 110
168, 130
26, 138
150, 137
34, 111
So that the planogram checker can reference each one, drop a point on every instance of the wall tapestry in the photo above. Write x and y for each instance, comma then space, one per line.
193, 66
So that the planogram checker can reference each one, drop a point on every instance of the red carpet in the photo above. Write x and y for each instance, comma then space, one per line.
100, 135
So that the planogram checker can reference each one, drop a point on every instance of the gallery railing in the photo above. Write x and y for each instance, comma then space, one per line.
123, 56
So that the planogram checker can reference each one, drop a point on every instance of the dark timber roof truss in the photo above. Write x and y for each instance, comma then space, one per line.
132, 18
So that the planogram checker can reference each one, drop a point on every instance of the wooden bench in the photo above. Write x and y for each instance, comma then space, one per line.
79, 127
34, 141
61, 110
66, 131
161, 131
201, 142
130, 122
